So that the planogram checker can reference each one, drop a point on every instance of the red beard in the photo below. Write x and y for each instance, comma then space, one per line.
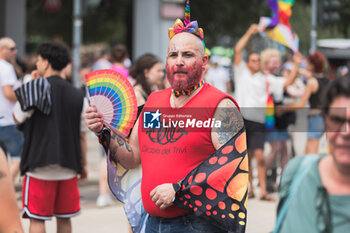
183, 78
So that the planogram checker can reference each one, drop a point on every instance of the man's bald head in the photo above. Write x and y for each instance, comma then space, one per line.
8, 49
6, 42
187, 39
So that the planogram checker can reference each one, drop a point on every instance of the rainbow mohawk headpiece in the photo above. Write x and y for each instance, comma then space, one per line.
187, 19
186, 25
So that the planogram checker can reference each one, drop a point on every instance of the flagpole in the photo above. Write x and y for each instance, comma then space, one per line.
77, 38
313, 32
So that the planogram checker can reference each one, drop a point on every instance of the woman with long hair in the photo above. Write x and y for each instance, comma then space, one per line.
148, 73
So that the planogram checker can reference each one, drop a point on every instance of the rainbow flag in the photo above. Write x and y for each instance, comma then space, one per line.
277, 27
270, 113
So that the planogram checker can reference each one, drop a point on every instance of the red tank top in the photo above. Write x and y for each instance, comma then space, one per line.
170, 152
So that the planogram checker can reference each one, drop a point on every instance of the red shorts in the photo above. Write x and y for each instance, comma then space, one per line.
41, 199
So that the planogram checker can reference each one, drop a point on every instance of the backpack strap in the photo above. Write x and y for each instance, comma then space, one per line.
299, 176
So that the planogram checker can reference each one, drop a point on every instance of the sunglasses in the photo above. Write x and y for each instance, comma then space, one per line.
336, 122
255, 60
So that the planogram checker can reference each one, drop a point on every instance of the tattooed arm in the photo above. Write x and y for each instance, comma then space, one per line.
125, 153
231, 122
9, 214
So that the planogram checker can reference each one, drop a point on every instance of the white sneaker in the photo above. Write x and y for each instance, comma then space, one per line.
104, 200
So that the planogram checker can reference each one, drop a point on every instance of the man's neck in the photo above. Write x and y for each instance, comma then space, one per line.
178, 102
51, 72
252, 72
2, 58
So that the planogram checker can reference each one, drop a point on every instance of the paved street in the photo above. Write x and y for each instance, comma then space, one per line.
261, 214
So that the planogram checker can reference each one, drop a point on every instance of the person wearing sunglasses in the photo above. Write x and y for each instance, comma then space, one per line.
11, 140
319, 186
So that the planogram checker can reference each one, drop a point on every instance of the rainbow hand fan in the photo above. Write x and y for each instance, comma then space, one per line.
114, 97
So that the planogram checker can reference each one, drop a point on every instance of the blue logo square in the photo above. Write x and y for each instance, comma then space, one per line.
151, 120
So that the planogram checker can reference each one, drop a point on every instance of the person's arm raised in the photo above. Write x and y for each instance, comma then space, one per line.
126, 153
311, 87
231, 122
293, 74
253, 29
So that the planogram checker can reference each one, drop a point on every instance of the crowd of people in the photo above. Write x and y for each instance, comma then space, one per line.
44, 121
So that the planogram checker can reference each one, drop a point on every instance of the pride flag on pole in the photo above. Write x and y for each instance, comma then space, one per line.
277, 27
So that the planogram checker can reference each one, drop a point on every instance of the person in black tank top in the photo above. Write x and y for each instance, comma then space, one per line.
314, 88
314, 99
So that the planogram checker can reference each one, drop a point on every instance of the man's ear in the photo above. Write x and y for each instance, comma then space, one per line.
205, 59
146, 72
46, 64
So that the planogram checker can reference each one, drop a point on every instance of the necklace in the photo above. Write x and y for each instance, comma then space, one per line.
187, 91
185, 99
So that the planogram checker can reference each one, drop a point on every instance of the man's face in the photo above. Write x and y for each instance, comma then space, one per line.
253, 62
41, 65
185, 61
338, 130
9, 51
273, 64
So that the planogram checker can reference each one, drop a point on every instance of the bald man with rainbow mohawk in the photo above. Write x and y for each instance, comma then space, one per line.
190, 141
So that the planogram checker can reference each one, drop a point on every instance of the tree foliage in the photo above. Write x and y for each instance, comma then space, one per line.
226, 18
344, 13
108, 21
223, 21
111, 20
43, 25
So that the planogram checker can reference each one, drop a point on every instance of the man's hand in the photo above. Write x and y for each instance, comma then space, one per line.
35, 74
93, 119
253, 29
163, 195
306, 73
84, 174
297, 58
279, 110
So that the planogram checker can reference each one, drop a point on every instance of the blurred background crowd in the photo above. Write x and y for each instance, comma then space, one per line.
121, 35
